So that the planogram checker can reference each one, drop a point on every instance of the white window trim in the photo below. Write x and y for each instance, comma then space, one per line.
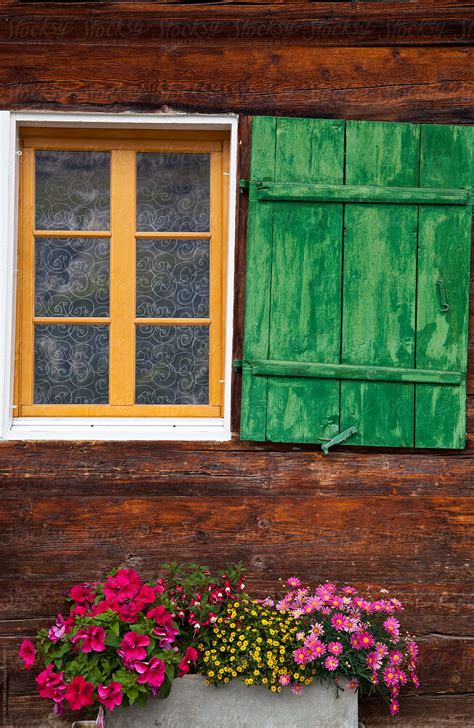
113, 428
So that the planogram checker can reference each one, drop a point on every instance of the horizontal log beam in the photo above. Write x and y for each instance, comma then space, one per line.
316, 370
300, 192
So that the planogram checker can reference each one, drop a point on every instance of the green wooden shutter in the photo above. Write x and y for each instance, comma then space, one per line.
357, 283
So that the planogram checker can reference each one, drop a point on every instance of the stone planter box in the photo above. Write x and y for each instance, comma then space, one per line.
192, 703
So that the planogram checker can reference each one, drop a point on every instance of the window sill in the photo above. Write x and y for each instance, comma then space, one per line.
101, 428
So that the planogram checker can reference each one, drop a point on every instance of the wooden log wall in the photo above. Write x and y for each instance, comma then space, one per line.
400, 519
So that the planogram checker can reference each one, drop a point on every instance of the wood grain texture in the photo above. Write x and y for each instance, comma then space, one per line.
444, 247
379, 289
394, 517
305, 291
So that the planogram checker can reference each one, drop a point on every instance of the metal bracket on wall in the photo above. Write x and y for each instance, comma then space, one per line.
338, 439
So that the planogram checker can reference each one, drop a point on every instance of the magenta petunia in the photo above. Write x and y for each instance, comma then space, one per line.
51, 684
93, 639
110, 695
151, 673
58, 630
27, 653
133, 647
184, 665
124, 585
79, 693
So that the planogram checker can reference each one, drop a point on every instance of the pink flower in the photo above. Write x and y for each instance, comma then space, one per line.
133, 647
151, 673
318, 649
390, 676
296, 689
353, 684
311, 642
352, 625
313, 604
124, 585
381, 649
317, 629
79, 693
415, 680
82, 594
374, 660
58, 630
412, 648
51, 684
301, 656
335, 648
27, 653
331, 663
110, 695
394, 707
93, 639
190, 655
338, 621
395, 657
349, 590
378, 606
366, 641
392, 626
284, 680
146, 595
294, 582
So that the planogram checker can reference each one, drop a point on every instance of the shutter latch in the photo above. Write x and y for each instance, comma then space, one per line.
338, 439
442, 296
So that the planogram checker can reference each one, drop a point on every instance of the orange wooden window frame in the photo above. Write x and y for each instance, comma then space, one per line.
123, 147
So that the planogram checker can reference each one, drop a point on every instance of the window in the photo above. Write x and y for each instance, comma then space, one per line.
357, 283
122, 270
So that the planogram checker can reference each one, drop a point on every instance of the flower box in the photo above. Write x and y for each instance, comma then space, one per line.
193, 703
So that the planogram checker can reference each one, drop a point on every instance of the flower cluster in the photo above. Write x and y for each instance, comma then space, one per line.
348, 635
255, 643
124, 638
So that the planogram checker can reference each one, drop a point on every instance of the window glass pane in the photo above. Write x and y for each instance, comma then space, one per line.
72, 276
173, 192
172, 365
172, 278
71, 364
72, 190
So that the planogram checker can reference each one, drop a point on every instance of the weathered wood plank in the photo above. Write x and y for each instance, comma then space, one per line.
447, 157
294, 192
395, 24
413, 84
349, 371
379, 284
305, 308
258, 281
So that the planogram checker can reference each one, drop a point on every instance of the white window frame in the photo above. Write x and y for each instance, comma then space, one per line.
98, 428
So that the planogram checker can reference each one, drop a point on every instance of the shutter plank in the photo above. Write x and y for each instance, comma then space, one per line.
379, 288
447, 156
306, 282
258, 277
